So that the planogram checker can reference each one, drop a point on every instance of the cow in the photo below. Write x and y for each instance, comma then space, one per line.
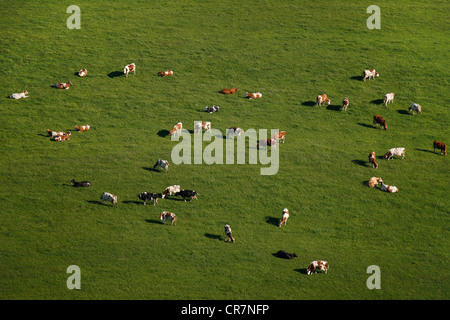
395, 152
146, 196
345, 104
280, 135
176, 129
415, 107
372, 160
129, 68
266, 142
321, 99
234, 131
162, 163
187, 194
229, 91
389, 98
63, 137
199, 126
228, 234
19, 95
440, 146
318, 265
380, 121
85, 127
166, 215
165, 73
63, 85
374, 181
109, 197
212, 109
285, 255
80, 184
284, 217
388, 188
82, 73
367, 74
54, 133
171, 190
255, 95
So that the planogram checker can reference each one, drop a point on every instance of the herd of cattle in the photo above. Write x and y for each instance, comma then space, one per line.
175, 190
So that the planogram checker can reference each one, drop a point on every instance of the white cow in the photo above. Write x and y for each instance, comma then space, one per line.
162, 163
106, 196
387, 188
171, 190
395, 152
284, 217
19, 95
415, 107
129, 68
389, 98
370, 74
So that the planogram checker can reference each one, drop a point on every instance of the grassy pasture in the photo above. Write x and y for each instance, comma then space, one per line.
290, 51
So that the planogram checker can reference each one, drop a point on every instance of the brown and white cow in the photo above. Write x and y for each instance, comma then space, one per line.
166, 215
129, 68
367, 74
255, 95
415, 107
162, 163
19, 95
322, 99
234, 131
345, 104
389, 98
229, 91
380, 121
395, 152
372, 160
176, 129
165, 73
374, 181
228, 234
318, 265
82, 73
54, 133
440, 146
106, 196
171, 190
200, 126
63, 137
280, 135
82, 128
63, 85
266, 142
388, 188
284, 217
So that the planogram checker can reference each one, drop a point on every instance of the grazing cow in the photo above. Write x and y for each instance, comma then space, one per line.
318, 265
266, 142
228, 234
370, 74
321, 99
165, 73
80, 184
372, 160
212, 109
345, 104
199, 126
440, 146
166, 215
284, 217
54, 133
255, 95
171, 190
395, 152
285, 255
234, 131
176, 129
19, 95
389, 98
380, 121
63, 85
280, 135
86, 127
82, 73
374, 181
106, 196
129, 68
63, 137
415, 107
163, 164
187, 194
229, 91
146, 196
387, 188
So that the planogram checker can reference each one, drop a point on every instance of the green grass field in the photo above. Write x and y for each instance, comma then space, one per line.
290, 51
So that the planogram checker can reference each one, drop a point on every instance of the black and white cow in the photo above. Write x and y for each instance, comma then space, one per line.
81, 183
285, 255
212, 109
146, 196
187, 194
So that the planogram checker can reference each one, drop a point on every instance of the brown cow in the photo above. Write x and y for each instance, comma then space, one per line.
372, 160
379, 120
441, 146
229, 91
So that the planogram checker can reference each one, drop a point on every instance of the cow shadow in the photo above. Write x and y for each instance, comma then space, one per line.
163, 133
213, 236
133, 201
360, 163
359, 78
153, 221
115, 74
424, 150
366, 125
273, 221
98, 202
334, 107
309, 103
302, 271
377, 101
401, 111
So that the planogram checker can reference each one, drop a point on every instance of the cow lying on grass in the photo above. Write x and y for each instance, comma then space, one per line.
318, 265
285, 255
80, 184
